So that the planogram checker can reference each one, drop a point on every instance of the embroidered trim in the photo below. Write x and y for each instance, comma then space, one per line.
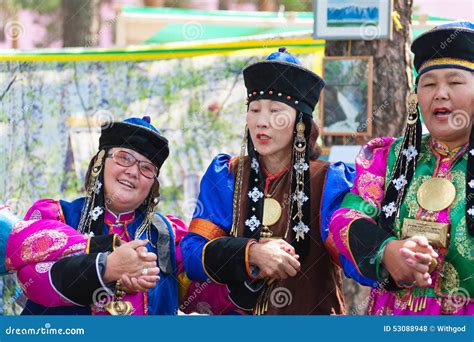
206, 229
449, 61
96, 213
410, 153
400, 182
253, 223
389, 209
255, 194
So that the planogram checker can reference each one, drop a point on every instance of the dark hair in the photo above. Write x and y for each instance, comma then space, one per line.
314, 149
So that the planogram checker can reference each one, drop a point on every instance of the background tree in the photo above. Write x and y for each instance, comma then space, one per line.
392, 76
393, 80
77, 24
78, 19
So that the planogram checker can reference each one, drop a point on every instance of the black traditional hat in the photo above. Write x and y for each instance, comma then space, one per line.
445, 46
137, 134
283, 78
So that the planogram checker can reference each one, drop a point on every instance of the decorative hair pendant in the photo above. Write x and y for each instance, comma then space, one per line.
300, 141
98, 164
412, 109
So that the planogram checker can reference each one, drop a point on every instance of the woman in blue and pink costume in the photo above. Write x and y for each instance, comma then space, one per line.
110, 252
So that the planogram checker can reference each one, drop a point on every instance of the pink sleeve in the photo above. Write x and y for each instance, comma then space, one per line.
37, 286
371, 169
180, 229
365, 197
44, 240
45, 208
34, 246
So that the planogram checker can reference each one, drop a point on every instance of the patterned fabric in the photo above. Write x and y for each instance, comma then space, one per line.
216, 207
32, 248
453, 285
57, 240
363, 201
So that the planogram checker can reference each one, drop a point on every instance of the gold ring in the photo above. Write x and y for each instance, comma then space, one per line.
433, 265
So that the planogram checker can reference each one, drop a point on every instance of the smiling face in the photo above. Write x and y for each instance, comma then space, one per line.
446, 98
271, 126
125, 187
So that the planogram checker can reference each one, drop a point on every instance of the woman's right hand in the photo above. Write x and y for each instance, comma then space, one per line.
408, 260
275, 259
130, 259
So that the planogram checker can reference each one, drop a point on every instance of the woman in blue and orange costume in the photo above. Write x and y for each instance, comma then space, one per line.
408, 222
262, 228
110, 252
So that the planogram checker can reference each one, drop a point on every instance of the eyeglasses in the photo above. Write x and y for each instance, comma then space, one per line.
125, 159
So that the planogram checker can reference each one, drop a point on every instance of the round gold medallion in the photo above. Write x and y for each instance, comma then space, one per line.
436, 194
271, 211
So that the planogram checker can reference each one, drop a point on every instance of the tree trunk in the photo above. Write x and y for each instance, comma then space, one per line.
266, 5
392, 82
392, 74
77, 22
223, 5
154, 3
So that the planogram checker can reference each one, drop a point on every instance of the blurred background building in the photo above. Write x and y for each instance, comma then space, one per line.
59, 23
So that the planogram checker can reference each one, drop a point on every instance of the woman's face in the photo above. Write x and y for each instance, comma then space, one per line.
125, 187
446, 98
271, 125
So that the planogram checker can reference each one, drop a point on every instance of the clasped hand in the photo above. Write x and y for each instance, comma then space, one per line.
133, 265
275, 259
408, 261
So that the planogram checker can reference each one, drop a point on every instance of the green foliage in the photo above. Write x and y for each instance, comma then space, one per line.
41, 6
297, 5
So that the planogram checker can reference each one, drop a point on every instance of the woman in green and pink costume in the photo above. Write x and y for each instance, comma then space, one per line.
408, 222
